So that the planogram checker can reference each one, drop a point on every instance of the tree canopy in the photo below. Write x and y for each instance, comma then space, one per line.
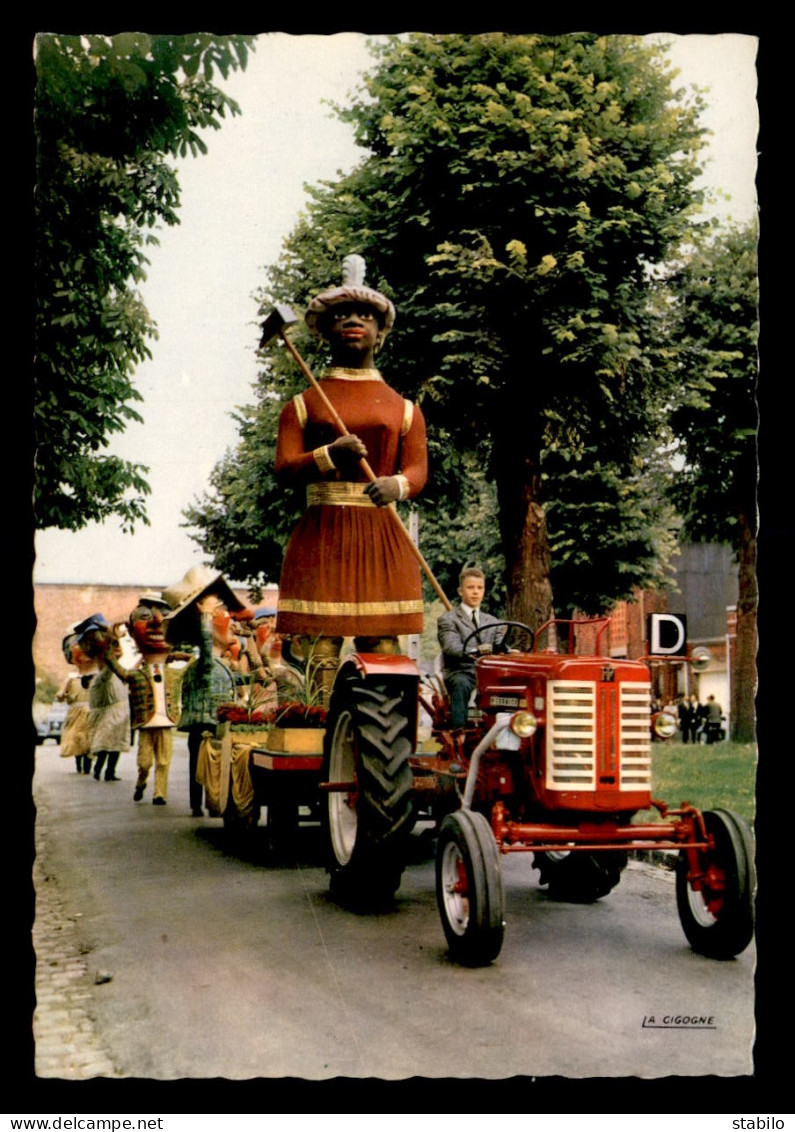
714, 422
111, 115
517, 195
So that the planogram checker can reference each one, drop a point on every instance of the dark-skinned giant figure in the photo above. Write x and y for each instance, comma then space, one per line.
347, 571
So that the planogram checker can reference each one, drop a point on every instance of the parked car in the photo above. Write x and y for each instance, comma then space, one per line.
51, 726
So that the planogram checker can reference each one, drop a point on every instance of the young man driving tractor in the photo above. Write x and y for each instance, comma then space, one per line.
465, 633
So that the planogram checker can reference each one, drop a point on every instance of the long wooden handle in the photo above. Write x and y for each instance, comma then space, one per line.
368, 471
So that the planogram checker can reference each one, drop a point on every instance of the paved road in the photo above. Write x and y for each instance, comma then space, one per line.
162, 956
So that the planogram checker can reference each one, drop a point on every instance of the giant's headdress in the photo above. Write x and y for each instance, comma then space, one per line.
352, 290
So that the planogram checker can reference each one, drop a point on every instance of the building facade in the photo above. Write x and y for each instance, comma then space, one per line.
706, 580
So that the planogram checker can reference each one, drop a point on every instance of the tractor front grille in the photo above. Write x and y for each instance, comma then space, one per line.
635, 736
598, 735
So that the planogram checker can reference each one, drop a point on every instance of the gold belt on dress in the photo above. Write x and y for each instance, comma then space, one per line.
338, 495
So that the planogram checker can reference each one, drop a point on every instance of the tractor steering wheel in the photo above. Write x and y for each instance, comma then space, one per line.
518, 626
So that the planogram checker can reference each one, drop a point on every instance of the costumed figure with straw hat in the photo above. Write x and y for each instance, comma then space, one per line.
197, 601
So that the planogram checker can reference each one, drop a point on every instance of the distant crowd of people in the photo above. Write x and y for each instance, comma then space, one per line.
697, 721
180, 654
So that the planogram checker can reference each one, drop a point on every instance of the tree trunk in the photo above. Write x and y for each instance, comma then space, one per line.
743, 687
525, 545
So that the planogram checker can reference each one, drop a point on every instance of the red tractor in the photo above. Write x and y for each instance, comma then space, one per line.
556, 762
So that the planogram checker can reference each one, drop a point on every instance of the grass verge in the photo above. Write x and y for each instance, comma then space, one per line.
722, 775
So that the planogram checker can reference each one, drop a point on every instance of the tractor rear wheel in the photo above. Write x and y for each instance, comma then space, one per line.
469, 889
368, 742
580, 878
717, 916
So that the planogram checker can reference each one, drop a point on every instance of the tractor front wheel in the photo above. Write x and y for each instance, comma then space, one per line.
367, 746
469, 888
716, 907
580, 878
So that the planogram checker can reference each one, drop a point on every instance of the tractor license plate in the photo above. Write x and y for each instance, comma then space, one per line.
505, 701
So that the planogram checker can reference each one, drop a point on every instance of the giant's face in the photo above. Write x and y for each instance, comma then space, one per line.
223, 634
352, 329
80, 659
264, 631
96, 643
146, 626
68, 648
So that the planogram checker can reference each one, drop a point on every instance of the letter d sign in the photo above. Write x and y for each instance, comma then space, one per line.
667, 634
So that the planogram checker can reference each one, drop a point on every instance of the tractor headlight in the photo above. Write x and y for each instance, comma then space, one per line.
524, 724
664, 725
700, 658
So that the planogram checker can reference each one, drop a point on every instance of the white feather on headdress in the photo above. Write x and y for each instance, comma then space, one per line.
353, 269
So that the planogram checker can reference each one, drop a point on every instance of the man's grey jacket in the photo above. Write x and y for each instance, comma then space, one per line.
455, 626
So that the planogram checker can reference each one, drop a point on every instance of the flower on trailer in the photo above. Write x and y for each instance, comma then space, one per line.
293, 714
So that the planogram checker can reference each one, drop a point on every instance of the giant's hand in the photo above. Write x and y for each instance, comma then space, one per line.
384, 490
346, 451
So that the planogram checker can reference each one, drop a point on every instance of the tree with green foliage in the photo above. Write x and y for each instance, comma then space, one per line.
715, 323
517, 195
112, 112
244, 523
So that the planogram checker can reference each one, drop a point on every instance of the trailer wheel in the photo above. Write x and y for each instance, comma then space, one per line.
469, 888
717, 913
580, 878
368, 744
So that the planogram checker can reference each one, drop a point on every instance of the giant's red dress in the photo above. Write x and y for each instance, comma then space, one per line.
347, 570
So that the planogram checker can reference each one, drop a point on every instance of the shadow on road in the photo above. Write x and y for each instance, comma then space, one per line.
257, 848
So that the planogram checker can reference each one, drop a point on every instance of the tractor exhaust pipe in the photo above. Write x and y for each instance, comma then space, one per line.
275, 326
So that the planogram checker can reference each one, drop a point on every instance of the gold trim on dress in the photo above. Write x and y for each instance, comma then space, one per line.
300, 409
341, 494
408, 416
342, 373
349, 608
323, 459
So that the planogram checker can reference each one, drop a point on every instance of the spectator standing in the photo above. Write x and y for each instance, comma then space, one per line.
695, 717
714, 716
685, 717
